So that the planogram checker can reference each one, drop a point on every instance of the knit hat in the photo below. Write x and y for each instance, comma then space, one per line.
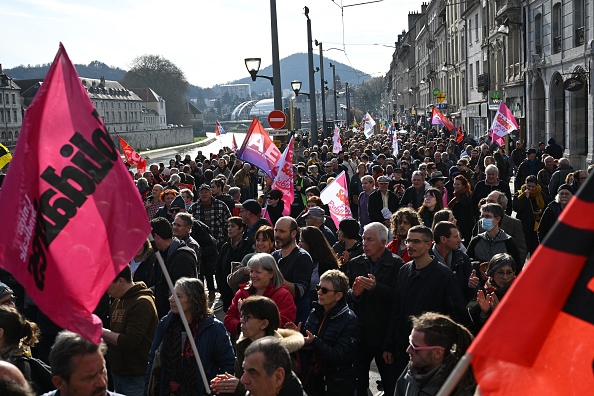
252, 206
567, 187
350, 228
178, 203
315, 211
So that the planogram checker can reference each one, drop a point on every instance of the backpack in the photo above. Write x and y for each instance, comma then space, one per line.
40, 373
208, 245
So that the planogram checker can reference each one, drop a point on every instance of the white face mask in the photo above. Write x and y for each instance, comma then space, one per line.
487, 224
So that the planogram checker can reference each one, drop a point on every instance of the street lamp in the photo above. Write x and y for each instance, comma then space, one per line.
296, 86
446, 66
333, 66
322, 82
312, 84
253, 67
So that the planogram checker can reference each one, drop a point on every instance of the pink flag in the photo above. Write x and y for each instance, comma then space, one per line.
503, 123
337, 146
259, 149
132, 157
284, 179
72, 217
336, 196
438, 118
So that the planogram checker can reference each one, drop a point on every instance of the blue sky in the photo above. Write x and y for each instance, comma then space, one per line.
207, 39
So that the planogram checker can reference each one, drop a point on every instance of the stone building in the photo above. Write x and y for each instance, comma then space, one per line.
11, 116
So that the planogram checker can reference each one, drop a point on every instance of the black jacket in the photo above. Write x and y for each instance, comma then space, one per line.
373, 306
180, 261
336, 336
376, 205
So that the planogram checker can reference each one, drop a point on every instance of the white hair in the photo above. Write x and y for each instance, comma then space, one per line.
381, 231
492, 168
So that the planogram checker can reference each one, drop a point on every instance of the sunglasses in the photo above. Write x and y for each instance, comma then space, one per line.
174, 210
324, 290
416, 349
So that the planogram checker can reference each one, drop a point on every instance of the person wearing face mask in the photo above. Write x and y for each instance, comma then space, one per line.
494, 240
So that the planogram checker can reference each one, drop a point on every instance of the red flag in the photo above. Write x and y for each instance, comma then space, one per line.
234, 144
132, 157
72, 217
259, 149
284, 178
217, 132
459, 135
540, 339
438, 118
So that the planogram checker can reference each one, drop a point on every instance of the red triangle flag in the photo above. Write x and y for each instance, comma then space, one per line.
539, 340
132, 157
438, 118
71, 215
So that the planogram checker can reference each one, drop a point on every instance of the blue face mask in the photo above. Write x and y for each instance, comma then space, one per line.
487, 224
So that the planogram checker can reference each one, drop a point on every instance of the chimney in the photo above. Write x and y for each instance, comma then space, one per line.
424, 8
0, 68
102, 78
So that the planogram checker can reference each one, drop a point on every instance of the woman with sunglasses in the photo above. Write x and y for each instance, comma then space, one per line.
265, 280
322, 255
432, 202
492, 284
331, 334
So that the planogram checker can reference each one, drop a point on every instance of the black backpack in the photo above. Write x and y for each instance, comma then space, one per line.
208, 245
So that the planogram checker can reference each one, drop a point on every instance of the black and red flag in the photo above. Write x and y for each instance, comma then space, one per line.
540, 339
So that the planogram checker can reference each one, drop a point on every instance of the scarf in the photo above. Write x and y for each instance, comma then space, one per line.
537, 196
457, 194
181, 375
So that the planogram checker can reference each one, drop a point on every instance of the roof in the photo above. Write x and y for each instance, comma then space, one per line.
192, 109
147, 94
107, 89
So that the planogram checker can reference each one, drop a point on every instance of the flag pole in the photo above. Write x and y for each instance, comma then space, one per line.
182, 315
455, 376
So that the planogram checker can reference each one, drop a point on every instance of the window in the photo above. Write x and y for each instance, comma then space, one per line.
2, 120
14, 115
471, 75
13, 99
578, 23
470, 31
476, 27
538, 34
557, 25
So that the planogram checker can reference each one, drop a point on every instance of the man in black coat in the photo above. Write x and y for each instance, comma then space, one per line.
373, 277
180, 261
382, 202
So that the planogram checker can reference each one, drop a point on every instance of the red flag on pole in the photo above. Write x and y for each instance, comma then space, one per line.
72, 217
259, 149
234, 144
540, 339
438, 118
459, 135
132, 157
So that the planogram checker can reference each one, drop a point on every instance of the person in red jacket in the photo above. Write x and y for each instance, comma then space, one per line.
265, 280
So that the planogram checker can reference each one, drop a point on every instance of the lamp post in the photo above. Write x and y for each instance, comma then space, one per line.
296, 87
276, 76
322, 85
312, 83
333, 66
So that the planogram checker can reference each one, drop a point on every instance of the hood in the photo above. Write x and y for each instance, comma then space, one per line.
139, 289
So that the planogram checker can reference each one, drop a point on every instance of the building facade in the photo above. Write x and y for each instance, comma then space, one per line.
11, 116
466, 57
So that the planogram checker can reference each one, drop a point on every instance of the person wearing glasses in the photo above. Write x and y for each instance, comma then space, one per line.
432, 202
332, 332
499, 274
424, 284
435, 345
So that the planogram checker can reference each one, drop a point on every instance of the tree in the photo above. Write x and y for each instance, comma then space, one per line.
369, 94
163, 77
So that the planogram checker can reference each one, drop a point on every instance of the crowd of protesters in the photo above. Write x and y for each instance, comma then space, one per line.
436, 239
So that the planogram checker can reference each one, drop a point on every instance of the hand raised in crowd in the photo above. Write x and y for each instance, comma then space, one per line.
224, 383
487, 303
357, 287
473, 281
344, 258
527, 194
293, 326
483, 269
367, 283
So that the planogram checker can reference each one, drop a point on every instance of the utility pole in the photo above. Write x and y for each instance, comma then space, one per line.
348, 103
276, 77
323, 90
333, 66
312, 83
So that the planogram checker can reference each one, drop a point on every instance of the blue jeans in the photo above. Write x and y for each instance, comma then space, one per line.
129, 386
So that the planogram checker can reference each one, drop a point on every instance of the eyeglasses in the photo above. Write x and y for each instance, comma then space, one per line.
502, 274
174, 210
409, 241
428, 196
324, 290
416, 349
244, 317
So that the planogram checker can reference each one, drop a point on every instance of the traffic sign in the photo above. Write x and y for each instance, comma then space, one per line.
442, 106
441, 97
436, 91
277, 119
